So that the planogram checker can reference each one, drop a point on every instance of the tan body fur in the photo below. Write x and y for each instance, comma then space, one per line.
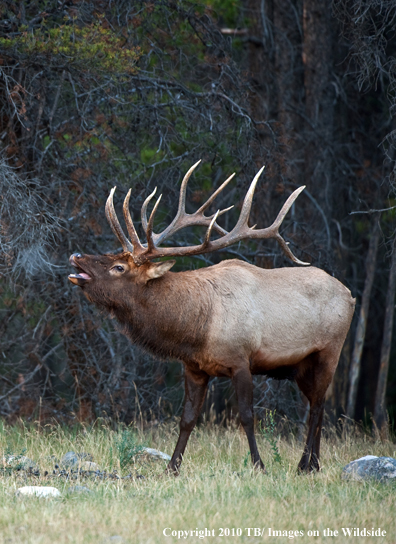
270, 318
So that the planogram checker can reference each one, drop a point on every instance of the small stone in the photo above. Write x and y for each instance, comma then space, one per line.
89, 465
370, 468
79, 489
70, 459
39, 491
19, 461
157, 453
73, 459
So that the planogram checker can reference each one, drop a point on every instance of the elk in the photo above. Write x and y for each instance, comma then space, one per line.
232, 319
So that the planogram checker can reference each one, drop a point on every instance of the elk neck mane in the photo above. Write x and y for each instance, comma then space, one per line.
178, 326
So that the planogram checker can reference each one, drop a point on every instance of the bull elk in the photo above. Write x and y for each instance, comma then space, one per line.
232, 319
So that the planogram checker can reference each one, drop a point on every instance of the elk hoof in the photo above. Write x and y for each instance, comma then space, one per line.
303, 467
259, 467
172, 471
312, 466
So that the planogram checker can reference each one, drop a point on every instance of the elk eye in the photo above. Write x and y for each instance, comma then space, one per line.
119, 268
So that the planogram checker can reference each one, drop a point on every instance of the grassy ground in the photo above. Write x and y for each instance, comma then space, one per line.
216, 490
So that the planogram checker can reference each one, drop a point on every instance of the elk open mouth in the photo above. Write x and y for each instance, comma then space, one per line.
81, 277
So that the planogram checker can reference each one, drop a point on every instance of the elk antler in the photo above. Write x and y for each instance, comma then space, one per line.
181, 220
241, 231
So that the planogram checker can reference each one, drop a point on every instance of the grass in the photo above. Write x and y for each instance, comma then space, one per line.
214, 491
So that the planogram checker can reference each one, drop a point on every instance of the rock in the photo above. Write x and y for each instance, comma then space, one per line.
39, 491
72, 459
19, 461
51, 459
89, 465
79, 489
365, 458
157, 453
371, 467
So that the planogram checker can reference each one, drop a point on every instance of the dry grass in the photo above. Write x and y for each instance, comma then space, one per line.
217, 489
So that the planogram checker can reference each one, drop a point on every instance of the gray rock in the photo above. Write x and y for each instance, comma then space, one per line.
89, 465
370, 467
19, 461
72, 459
158, 454
79, 490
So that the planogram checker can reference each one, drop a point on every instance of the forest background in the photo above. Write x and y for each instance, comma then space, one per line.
97, 94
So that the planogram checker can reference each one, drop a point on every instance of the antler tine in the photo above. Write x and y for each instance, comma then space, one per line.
247, 203
144, 209
114, 223
287, 205
182, 198
278, 221
183, 219
209, 231
273, 230
286, 249
149, 230
224, 211
129, 223
181, 210
214, 195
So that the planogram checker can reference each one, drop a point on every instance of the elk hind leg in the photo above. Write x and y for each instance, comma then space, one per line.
310, 458
196, 384
314, 382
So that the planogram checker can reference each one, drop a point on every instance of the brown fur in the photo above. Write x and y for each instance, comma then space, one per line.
233, 320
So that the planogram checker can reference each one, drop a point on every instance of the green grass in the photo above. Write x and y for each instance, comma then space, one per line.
216, 489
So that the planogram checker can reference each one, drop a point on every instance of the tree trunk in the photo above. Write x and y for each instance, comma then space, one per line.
318, 61
380, 415
288, 67
260, 63
354, 371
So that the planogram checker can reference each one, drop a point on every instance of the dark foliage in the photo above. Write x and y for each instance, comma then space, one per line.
96, 94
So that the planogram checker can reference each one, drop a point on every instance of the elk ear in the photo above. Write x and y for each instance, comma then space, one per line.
156, 270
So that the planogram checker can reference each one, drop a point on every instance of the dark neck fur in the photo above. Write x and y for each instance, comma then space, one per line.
167, 317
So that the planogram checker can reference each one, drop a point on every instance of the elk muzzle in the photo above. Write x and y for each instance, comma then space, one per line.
81, 278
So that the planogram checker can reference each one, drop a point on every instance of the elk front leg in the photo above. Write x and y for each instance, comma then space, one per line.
243, 384
196, 384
